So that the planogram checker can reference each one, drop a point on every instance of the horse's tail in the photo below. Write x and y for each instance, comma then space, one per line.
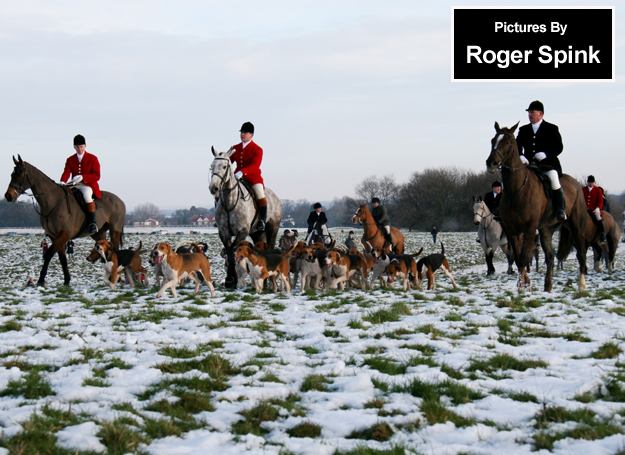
565, 245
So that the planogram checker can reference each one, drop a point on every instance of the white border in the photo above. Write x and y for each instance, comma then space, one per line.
453, 8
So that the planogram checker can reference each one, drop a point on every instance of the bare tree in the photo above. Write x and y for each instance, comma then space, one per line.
146, 210
383, 188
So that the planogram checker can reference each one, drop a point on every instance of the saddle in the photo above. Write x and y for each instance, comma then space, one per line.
540, 173
250, 190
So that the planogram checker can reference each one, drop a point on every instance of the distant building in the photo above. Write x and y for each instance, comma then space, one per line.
149, 222
203, 220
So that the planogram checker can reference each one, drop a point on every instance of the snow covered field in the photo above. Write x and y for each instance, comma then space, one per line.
480, 370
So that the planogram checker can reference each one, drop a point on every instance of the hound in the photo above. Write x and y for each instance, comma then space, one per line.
405, 268
344, 266
382, 258
116, 261
429, 265
175, 267
261, 267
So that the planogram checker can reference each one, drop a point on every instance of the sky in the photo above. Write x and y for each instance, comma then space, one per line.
337, 90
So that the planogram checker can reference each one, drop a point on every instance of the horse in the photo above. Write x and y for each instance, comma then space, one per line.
490, 233
373, 237
591, 239
524, 208
235, 211
61, 215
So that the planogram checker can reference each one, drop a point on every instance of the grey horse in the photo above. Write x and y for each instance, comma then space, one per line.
490, 233
61, 216
235, 211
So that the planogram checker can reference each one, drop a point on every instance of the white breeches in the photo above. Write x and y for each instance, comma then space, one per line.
553, 177
597, 213
86, 191
259, 189
387, 228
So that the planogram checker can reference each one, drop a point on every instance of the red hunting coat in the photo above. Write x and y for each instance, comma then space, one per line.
248, 161
593, 198
89, 168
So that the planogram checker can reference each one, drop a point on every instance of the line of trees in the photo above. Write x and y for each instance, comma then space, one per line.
440, 197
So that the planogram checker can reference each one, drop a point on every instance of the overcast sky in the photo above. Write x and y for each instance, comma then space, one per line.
337, 90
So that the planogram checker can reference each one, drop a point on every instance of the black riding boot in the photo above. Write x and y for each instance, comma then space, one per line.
260, 225
93, 224
559, 203
601, 228
389, 238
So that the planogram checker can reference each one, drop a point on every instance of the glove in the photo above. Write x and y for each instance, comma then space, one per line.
238, 174
524, 160
540, 156
76, 179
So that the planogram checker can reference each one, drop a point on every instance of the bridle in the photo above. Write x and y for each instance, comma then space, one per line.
225, 192
483, 217
504, 167
361, 222
508, 152
20, 190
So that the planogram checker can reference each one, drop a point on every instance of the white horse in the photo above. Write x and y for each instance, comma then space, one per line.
235, 213
491, 235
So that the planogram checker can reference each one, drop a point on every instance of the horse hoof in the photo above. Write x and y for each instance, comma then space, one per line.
41, 283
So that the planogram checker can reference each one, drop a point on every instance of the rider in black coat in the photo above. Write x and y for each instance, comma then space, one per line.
540, 142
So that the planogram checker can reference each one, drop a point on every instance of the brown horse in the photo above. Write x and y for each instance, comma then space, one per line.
373, 237
525, 208
61, 216
591, 239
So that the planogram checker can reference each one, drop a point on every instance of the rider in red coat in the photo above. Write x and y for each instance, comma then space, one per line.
594, 201
85, 171
248, 157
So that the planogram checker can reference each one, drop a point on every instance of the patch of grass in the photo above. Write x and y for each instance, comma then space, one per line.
379, 432
119, 438
10, 326
38, 435
310, 350
264, 411
305, 429
503, 362
213, 364
315, 382
608, 350
557, 414
31, 386
592, 432
382, 315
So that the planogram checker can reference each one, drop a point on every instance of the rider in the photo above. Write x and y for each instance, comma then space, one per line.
85, 170
350, 241
594, 201
379, 215
287, 240
248, 157
493, 198
540, 141
316, 220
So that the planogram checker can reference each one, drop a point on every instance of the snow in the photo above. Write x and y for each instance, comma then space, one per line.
89, 332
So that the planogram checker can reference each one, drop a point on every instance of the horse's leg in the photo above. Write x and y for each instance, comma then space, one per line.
546, 236
489, 261
231, 274
116, 237
517, 242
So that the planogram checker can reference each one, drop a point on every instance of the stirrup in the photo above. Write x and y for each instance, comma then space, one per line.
93, 228
260, 225
561, 215
602, 238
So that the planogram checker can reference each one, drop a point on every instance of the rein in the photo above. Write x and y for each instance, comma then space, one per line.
19, 190
377, 228
225, 192
509, 169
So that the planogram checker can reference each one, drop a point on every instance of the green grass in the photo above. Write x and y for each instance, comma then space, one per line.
315, 382
503, 362
32, 385
305, 429
253, 417
380, 432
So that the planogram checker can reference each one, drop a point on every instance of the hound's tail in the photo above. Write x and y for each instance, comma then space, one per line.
443, 248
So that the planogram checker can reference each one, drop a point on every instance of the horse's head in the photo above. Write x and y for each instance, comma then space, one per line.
19, 180
360, 214
480, 210
503, 149
221, 170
